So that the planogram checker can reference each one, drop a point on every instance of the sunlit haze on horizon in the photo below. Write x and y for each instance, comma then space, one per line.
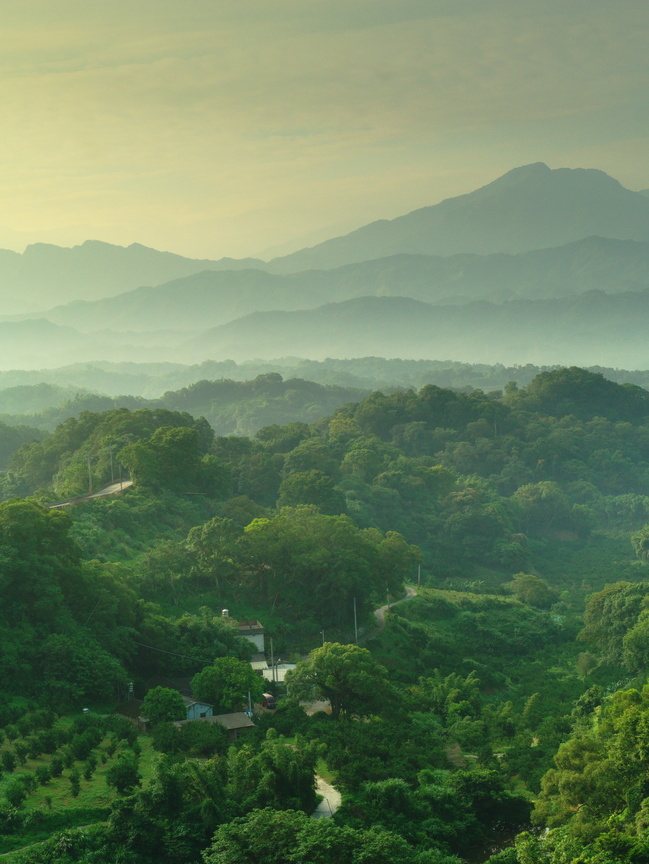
232, 129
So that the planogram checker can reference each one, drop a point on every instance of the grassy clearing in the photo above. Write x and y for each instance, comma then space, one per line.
327, 774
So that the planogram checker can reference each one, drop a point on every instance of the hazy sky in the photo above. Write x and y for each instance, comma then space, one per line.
217, 128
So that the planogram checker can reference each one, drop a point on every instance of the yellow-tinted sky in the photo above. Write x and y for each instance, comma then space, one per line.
224, 127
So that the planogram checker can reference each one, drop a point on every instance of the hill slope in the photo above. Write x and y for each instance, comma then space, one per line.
531, 207
44, 274
594, 328
213, 298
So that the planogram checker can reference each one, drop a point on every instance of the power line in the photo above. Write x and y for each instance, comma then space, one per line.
174, 653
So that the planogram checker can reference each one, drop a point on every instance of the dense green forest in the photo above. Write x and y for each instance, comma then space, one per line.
504, 707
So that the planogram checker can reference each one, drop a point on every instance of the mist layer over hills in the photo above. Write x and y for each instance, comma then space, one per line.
592, 328
237, 399
217, 297
543, 266
25, 391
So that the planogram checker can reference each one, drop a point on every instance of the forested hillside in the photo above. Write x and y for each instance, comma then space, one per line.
505, 698
232, 407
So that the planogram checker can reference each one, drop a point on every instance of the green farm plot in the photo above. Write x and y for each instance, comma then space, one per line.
51, 806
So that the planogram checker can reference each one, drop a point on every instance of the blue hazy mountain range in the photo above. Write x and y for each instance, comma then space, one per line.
532, 207
474, 278
212, 298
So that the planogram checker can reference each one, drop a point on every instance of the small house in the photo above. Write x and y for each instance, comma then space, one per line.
234, 723
253, 631
197, 710
278, 672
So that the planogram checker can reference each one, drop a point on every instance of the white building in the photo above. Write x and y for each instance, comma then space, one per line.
253, 632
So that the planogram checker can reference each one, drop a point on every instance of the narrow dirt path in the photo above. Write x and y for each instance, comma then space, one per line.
379, 614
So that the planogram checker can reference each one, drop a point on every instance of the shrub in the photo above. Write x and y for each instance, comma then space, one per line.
9, 761
123, 775
22, 751
43, 774
89, 766
15, 793
75, 782
29, 781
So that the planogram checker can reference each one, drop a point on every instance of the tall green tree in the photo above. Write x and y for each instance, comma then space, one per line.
288, 837
346, 675
226, 684
611, 614
215, 549
162, 704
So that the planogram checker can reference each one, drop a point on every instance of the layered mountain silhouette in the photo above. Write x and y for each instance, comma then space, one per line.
594, 328
531, 207
212, 298
548, 266
44, 275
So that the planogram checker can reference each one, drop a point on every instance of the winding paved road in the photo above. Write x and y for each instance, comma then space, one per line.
113, 489
331, 799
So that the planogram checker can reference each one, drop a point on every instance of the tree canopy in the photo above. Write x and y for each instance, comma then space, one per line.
226, 684
346, 675
162, 704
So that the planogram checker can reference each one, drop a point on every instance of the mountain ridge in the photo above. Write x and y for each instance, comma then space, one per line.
529, 208
516, 212
197, 300
590, 329
45, 274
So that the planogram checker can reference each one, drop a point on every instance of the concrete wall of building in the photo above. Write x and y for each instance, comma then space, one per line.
257, 640
197, 710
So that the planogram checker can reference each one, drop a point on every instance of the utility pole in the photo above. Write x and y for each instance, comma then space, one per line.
322, 633
272, 659
89, 477
112, 467
355, 622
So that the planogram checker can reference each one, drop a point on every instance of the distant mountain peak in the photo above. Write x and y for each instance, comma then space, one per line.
100, 244
540, 173
530, 207
533, 169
